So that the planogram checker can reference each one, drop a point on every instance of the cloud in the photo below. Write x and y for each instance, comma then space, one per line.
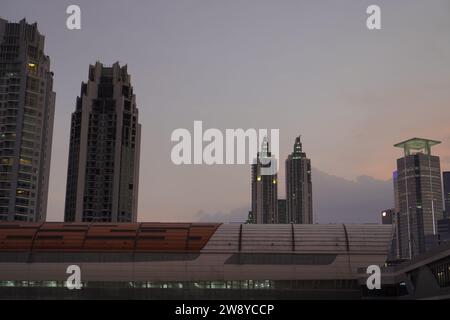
336, 200
238, 215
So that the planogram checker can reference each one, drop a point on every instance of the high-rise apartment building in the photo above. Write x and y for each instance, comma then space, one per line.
299, 186
419, 196
27, 106
264, 187
103, 170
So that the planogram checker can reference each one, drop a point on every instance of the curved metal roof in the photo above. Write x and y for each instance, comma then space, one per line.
99, 237
301, 238
194, 237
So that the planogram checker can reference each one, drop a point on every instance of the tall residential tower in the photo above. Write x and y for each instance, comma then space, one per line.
27, 106
103, 171
264, 187
299, 186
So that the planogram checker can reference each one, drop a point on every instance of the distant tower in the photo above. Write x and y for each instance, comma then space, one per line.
419, 196
103, 171
27, 107
299, 186
264, 187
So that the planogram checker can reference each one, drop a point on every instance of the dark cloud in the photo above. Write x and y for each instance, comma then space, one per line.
336, 200
237, 215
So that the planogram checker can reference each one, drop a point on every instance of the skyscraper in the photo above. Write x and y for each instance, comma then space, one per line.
299, 186
420, 196
446, 183
264, 187
27, 106
103, 170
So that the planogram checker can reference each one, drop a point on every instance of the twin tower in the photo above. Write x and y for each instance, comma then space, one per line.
297, 207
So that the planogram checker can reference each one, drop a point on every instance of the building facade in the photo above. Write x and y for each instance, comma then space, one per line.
419, 196
282, 212
264, 187
27, 106
396, 198
390, 216
444, 230
299, 186
103, 170
446, 184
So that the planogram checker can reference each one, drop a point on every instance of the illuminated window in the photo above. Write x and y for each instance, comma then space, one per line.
32, 67
25, 161
6, 161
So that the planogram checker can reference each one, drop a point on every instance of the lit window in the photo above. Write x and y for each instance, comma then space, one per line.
32, 67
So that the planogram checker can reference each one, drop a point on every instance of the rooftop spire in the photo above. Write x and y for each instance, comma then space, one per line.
298, 145
265, 150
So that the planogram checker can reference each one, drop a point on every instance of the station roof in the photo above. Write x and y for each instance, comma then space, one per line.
193, 237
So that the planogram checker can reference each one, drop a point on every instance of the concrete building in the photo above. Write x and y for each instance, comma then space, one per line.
446, 184
189, 260
444, 230
299, 186
264, 187
103, 170
419, 196
27, 106
390, 216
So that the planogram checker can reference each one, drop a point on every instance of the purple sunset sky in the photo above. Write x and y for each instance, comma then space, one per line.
305, 67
